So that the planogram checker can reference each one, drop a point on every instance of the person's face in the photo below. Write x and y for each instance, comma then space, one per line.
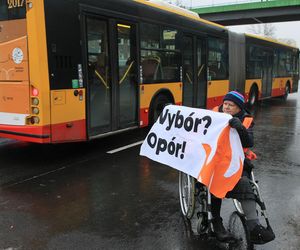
230, 107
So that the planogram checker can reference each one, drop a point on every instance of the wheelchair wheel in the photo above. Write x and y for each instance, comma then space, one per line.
237, 226
238, 207
187, 194
202, 214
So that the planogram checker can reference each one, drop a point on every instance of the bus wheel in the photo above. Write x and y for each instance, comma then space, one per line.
253, 97
286, 92
157, 107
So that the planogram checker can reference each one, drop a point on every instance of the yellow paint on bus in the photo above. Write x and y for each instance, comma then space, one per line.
270, 40
279, 83
217, 88
65, 106
38, 59
147, 91
250, 83
178, 11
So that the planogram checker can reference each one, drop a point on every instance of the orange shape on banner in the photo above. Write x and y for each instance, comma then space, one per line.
213, 174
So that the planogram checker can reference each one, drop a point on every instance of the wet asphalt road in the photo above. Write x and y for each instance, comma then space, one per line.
76, 196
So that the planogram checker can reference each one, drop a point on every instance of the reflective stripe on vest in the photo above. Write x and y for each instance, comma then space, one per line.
249, 154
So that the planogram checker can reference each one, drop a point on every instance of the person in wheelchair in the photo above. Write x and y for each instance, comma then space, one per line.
233, 104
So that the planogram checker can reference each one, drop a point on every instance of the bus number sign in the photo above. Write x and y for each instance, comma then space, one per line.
15, 4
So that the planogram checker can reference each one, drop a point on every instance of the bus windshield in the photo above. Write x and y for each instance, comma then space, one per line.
12, 9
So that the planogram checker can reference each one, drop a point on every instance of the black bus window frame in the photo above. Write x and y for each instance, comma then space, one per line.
150, 36
217, 59
159, 63
160, 66
254, 59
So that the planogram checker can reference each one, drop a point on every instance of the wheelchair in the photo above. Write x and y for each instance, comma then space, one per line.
196, 199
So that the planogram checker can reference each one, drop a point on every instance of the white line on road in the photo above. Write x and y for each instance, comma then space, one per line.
35, 177
44, 174
125, 147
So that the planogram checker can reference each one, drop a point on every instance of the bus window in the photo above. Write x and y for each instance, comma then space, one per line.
295, 63
217, 59
289, 64
98, 74
254, 63
282, 68
201, 73
275, 64
160, 59
169, 39
150, 37
188, 72
151, 65
127, 75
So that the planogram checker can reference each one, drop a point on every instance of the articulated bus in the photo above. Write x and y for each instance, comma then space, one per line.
262, 67
83, 69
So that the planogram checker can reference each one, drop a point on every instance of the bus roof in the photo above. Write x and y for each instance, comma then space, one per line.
177, 10
270, 40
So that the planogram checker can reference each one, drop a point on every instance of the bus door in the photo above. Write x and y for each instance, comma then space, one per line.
188, 70
194, 71
111, 69
127, 81
201, 89
267, 73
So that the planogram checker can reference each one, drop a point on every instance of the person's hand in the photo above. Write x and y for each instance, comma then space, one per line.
236, 123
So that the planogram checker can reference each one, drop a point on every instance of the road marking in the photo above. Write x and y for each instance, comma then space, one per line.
34, 177
44, 174
125, 147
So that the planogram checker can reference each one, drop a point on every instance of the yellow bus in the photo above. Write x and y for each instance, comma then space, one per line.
83, 69
272, 69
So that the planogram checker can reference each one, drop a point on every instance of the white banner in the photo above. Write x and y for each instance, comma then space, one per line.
198, 142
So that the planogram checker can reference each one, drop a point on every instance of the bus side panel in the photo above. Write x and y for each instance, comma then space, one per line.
278, 86
68, 115
147, 91
249, 84
38, 66
216, 90
295, 84
35, 134
14, 99
296, 73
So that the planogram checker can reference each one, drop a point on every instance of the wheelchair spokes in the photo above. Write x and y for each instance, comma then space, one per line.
238, 206
194, 196
187, 194
237, 226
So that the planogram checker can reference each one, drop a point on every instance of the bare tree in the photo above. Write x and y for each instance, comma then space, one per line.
265, 29
288, 41
177, 3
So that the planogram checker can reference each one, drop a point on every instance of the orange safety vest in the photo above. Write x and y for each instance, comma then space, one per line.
249, 154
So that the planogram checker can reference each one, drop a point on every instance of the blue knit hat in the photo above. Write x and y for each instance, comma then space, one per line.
235, 97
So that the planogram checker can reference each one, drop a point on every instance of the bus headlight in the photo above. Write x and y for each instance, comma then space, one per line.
35, 120
35, 110
35, 101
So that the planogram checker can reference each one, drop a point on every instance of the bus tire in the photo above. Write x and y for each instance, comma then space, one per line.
253, 97
157, 106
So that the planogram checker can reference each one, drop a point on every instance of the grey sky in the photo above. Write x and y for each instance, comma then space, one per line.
285, 30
